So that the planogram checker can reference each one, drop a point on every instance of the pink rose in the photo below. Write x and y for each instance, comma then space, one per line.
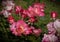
10, 19
39, 9
57, 26
49, 38
54, 15
19, 27
51, 29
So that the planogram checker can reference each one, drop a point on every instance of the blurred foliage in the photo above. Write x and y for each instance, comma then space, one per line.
7, 36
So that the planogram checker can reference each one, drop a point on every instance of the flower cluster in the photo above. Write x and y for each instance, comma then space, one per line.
37, 9
8, 7
20, 27
52, 27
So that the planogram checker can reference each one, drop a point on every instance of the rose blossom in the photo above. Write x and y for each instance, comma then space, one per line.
49, 38
51, 29
20, 27
54, 15
57, 23
9, 5
17, 28
39, 9
10, 19
57, 26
